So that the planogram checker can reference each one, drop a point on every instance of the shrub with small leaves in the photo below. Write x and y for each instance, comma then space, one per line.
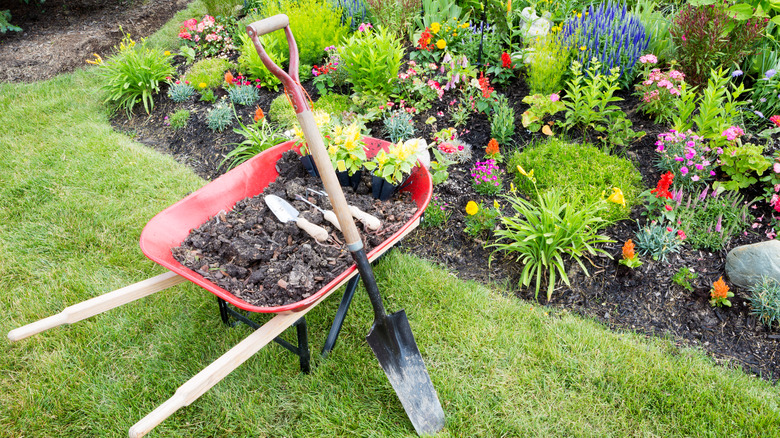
436, 215
399, 126
243, 94
764, 301
179, 119
209, 71
220, 117
657, 241
502, 125
181, 91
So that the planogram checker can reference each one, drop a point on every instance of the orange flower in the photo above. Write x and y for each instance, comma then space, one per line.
229, 78
492, 147
628, 250
719, 290
259, 115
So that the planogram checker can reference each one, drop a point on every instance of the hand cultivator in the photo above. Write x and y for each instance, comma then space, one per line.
390, 337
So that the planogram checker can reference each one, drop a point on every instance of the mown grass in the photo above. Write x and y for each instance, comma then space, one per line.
74, 196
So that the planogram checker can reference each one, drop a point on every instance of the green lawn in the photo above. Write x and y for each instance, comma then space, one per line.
74, 196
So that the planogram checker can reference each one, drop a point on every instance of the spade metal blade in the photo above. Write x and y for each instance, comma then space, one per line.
393, 343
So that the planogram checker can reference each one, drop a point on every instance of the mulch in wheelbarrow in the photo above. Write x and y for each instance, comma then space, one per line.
265, 262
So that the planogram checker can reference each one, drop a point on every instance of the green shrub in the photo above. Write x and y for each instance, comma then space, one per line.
5, 22
252, 66
582, 171
502, 123
134, 74
316, 24
372, 59
179, 119
282, 112
765, 301
541, 233
210, 71
225, 8
219, 117
334, 104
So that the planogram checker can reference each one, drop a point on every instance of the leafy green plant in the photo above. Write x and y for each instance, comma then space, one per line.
590, 96
209, 71
178, 120
542, 233
657, 27
395, 164
548, 62
331, 74
439, 166
399, 126
743, 163
346, 147
316, 23
459, 114
766, 93
258, 137
481, 220
134, 74
372, 59
764, 301
582, 171
541, 107
718, 107
224, 8
219, 117
5, 22
180, 91
251, 65
657, 240
211, 37
502, 121
436, 214
207, 95
720, 294
683, 278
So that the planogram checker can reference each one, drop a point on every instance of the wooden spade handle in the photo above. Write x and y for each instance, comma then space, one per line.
99, 304
318, 233
371, 222
270, 24
214, 373
331, 217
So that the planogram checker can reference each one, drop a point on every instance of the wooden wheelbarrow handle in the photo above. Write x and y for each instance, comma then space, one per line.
99, 304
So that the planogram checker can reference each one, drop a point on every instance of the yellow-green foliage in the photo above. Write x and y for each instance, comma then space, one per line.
582, 171
210, 71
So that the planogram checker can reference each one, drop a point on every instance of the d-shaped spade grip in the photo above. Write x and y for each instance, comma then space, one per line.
268, 25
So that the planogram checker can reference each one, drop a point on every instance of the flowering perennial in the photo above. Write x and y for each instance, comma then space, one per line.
658, 91
686, 155
720, 294
207, 37
662, 189
487, 178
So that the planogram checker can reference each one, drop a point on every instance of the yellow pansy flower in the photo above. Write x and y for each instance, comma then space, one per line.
472, 208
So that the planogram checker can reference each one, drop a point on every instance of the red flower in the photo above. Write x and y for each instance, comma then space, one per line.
775, 119
492, 147
662, 189
425, 40
668, 207
506, 60
484, 85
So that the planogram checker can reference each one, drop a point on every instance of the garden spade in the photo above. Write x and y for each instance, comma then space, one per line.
287, 213
391, 336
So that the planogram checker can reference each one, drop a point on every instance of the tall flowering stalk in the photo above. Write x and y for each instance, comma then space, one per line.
610, 33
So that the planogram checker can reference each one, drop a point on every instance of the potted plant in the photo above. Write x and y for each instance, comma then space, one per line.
391, 168
347, 153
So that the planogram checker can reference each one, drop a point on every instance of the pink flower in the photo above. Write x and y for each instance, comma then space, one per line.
681, 234
364, 27
775, 119
190, 24
648, 59
676, 75
555, 97
184, 34
669, 229
668, 207
776, 167
683, 170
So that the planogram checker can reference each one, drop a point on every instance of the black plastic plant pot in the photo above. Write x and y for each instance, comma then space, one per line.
349, 181
382, 189
310, 166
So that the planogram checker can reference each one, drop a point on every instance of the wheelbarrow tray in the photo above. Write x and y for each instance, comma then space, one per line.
169, 228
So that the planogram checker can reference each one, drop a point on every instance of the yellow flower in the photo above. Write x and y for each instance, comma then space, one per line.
435, 27
472, 208
583, 48
529, 175
617, 197
167, 53
441, 44
203, 85
496, 205
97, 61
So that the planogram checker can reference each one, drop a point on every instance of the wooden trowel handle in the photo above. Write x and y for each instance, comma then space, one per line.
371, 222
318, 233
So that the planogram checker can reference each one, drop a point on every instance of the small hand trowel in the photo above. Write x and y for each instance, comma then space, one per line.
286, 213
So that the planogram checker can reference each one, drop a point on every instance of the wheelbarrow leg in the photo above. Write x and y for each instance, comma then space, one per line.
341, 313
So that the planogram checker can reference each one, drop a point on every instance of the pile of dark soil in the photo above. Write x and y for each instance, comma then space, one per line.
265, 262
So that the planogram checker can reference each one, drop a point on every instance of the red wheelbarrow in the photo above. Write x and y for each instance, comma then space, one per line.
390, 337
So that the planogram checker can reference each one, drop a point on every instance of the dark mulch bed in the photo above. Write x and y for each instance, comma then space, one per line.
642, 300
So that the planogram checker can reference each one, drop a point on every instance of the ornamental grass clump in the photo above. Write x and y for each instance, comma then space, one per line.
658, 241
764, 301
219, 117
181, 91
611, 34
399, 126
543, 232
487, 177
